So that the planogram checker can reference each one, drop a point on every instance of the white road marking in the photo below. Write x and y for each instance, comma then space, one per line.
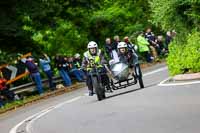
46, 111
155, 71
162, 83
39, 115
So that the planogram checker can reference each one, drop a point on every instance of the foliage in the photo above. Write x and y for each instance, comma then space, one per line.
59, 26
65, 38
119, 18
5, 57
186, 57
184, 17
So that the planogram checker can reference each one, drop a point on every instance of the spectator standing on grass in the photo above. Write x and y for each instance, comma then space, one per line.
34, 72
45, 65
61, 66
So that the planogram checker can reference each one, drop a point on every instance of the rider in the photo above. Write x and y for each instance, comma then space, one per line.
94, 55
126, 55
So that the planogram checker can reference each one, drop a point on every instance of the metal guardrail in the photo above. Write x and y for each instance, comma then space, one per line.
29, 87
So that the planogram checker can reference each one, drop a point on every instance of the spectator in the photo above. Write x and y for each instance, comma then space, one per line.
78, 63
73, 70
1, 101
77, 60
116, 41
131, 47
143, 46
159, 41
62, 66
45, 65
65, 63
2, 87
168, 39
5, 92
149, 35
34, 72
109, 47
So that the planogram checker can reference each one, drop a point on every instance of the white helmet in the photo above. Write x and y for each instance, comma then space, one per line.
122, 45
77, 55
92, 44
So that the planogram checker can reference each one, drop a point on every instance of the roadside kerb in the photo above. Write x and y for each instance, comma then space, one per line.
184, 77
45, 96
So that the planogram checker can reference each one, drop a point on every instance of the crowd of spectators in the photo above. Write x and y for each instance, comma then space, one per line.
67, 67
147, 45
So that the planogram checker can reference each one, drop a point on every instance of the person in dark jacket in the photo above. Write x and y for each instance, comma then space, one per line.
34, 72
154, 47
62, 66
109, 47
168, 39
160, 42
116, 41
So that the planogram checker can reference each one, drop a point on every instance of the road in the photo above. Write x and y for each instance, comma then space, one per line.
154, 109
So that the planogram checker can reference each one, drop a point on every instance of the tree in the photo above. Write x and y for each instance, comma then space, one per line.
182, 15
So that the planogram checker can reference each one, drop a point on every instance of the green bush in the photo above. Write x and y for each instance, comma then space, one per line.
185, 58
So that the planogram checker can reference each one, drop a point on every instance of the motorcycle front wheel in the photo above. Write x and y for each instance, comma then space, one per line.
100, 90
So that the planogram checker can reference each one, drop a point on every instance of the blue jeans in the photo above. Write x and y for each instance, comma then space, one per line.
1, 103
83, 76
77, 74
65, 77
50, 78
147, 55
36, 77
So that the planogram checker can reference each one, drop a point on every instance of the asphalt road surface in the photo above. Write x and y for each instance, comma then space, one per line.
154, 109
